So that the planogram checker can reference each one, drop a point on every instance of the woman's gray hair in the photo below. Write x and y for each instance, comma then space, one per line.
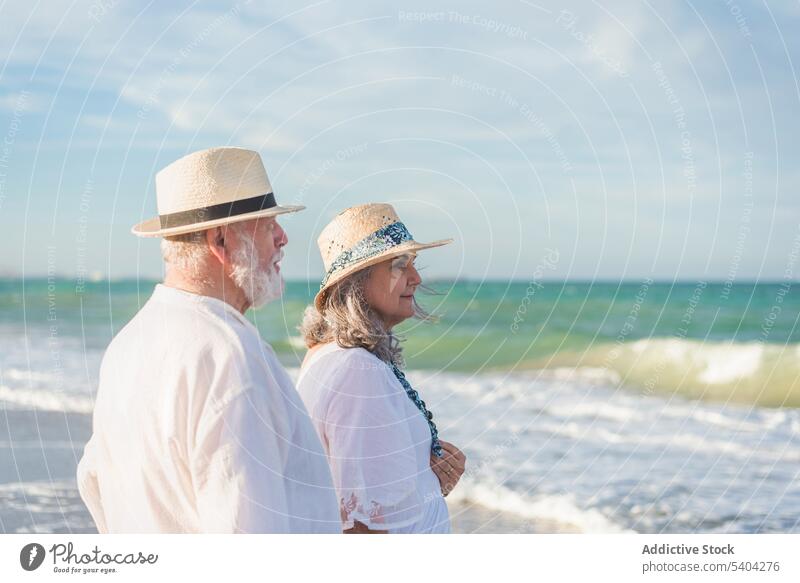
350, 321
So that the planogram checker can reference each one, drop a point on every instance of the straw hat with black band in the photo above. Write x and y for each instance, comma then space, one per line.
210, 188
362, 236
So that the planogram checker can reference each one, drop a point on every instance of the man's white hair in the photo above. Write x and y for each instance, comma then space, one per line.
187, 253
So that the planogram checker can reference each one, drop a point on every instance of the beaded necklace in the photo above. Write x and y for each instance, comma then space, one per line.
436, 447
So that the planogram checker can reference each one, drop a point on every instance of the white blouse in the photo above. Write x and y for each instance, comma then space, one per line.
378, 442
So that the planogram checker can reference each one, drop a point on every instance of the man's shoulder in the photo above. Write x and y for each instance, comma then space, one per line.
190, 338
190, 323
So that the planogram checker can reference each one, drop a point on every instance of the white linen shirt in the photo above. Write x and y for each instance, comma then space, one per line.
378, 442
198, 428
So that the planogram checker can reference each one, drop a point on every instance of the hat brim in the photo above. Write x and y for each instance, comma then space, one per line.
408, 246
152, 227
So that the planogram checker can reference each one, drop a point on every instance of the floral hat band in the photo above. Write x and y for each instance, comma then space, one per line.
362, 236
378, 242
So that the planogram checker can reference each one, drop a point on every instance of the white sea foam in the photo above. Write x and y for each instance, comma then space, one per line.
594, 410
44, 400
560, 508
721, 420
29, 376
297, 342
591, 374
728, 362
44, 488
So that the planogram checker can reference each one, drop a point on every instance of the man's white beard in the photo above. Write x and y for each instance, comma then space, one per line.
258, 285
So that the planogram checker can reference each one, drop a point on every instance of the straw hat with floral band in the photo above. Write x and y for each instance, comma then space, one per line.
357, 238
362, 236
210, 188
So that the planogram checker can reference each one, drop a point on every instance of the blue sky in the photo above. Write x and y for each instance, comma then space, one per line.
637, 139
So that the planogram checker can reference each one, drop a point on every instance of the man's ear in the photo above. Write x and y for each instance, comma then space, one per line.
215, 239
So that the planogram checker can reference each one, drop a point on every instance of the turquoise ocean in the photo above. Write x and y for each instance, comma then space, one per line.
591, 406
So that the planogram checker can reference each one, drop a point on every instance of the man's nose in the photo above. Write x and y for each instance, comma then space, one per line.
281, 238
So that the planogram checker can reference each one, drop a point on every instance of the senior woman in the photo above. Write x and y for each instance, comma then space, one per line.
390, 469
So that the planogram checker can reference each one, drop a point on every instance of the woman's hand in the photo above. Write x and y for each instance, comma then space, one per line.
449, 467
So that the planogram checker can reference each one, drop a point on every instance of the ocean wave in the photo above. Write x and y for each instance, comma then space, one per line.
560, 508
30, 376
754, 373
693, 443
594, 410
297, 342
45, 400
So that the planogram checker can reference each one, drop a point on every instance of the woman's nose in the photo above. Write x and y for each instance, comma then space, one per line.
414, 277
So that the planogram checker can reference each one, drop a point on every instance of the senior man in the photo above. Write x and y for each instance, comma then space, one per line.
197, 427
